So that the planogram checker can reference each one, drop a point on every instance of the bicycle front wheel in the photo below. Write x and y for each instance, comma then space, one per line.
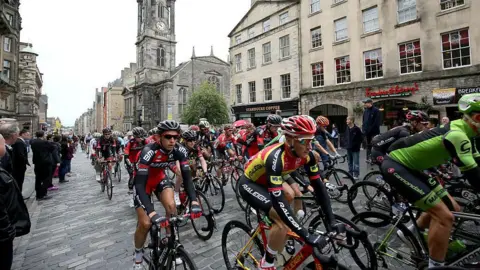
187, 261
215, 194
244, 255
204, 225
236, 173
119, 172
343, 181
369, 196
109, 185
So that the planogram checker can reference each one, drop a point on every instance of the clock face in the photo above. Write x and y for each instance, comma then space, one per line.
161, 26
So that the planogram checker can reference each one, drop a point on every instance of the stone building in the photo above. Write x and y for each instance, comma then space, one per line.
404, 54
162, 88
265, 56
128, 81
30, 84
98, 112
115, 105
10, 26
42, 112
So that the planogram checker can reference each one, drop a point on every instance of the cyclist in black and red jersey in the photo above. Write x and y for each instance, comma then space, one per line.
132, 151
106, 148
150, 177
263, 134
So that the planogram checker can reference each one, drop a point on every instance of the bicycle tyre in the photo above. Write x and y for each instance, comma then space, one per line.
214, 187
103, 181
236, 173
242, 203
414, 244
109, 186
353, 192
118, 173
244, 227
370, 252
186, 258
207, 213
341, 181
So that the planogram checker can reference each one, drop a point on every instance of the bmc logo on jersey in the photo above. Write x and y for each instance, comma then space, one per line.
148, 155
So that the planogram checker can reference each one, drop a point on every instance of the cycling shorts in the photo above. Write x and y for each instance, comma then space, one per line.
415, 186
158, 190
257, 196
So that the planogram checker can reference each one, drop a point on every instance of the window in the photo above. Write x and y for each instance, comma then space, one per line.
238, 62
407, 10
317, 74
152, 3
140, 56
410, 57
10, 19
266, 25
215, 82
373, 64
251, 58
316, 37
456, 49
314, 6
285, 85
448, 4
283, 17
239, 93
250, 33
7, 67
161, 57
182, 100
7, 44
238, 39
370, 20
342, 67
284, 46
338, 1
161, 11
267, 88
341, 31
267, 54
252, 93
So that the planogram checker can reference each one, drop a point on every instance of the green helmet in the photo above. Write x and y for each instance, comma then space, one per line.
469, 104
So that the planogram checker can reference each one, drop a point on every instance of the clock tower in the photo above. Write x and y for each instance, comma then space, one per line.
155, 40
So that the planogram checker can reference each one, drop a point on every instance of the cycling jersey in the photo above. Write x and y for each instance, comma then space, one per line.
133, 148
107, 147
383, 141
223, 141
151, 172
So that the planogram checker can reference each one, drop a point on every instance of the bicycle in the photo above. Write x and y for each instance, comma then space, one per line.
164, 252
212, 188
106, 182
118, 171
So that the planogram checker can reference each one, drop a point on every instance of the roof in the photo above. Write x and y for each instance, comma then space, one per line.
212, 57
178, 68
28, 49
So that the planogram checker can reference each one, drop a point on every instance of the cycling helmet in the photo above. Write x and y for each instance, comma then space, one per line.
204, 123
469, 104
152, 131
299, 125
227, 127
129, 134
194, 128
168, 125
116, 133
416, 115
139, 132
97, 135
106, 131
322, 121
274, 119
189, 135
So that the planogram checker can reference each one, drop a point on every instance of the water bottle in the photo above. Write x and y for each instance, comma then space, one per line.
398, 208
300, 214
455, 247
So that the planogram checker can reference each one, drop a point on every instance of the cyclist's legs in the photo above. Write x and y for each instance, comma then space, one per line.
143, 225
178, 179
292, 190
417, 188
165, 191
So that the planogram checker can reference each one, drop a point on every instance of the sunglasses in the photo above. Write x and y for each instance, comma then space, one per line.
304, 141
169, 137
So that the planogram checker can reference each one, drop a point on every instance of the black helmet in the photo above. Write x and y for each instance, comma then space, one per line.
139, 132
417, 115
168, 125
189, 135
274, 119
106, 130
152, 131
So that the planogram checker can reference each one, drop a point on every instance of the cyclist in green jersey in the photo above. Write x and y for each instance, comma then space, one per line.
408, 157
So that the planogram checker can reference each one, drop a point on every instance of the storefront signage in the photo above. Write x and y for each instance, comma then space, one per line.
465, 90
394, 91
443, 96
263, 108
267, 107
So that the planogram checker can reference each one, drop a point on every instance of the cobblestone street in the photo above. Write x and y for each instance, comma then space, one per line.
79, 228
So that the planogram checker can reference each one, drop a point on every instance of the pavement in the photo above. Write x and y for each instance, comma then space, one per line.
79, 228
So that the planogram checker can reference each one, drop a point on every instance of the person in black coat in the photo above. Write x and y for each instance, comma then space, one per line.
371, 123
43, 160
353, 140
20, 157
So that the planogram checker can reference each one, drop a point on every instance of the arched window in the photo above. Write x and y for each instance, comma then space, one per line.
215, 82
161, 56
182, 100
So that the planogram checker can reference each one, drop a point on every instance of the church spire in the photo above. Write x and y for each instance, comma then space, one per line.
193, 52
211, 50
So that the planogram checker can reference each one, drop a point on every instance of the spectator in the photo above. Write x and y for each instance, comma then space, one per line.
432, 123
371, 123
43, 161
66, 157
20, 158
334, 135
14, 216
55, 141
445, 120
353, 139
9, 131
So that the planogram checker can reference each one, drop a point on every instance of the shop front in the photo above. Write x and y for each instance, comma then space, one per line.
257, 113
448, 99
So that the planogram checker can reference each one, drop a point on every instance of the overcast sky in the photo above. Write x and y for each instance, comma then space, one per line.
84, 44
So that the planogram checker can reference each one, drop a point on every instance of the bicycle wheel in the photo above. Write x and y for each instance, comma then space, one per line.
364, 259
342, 180
236, 173
118, 172
187, 261
103, 181
241, 202
251, 255
251, 217
369, 196
215, 194
109, 185
376, 177
204, 225
392, 250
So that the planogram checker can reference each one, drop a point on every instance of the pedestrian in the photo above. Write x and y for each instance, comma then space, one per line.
43, 161
54, 140
445, 120
432, 123
334, 135
14, 216
20, 157
9, 131
66, 151
371, 123
353, 140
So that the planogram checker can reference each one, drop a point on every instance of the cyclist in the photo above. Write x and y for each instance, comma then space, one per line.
91, 147
243, 135
106, 148
321, 136
206, 139
152, 136
416, 121
262, 185
263, 134
88, 138
150, 177
132, 151
408, 157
